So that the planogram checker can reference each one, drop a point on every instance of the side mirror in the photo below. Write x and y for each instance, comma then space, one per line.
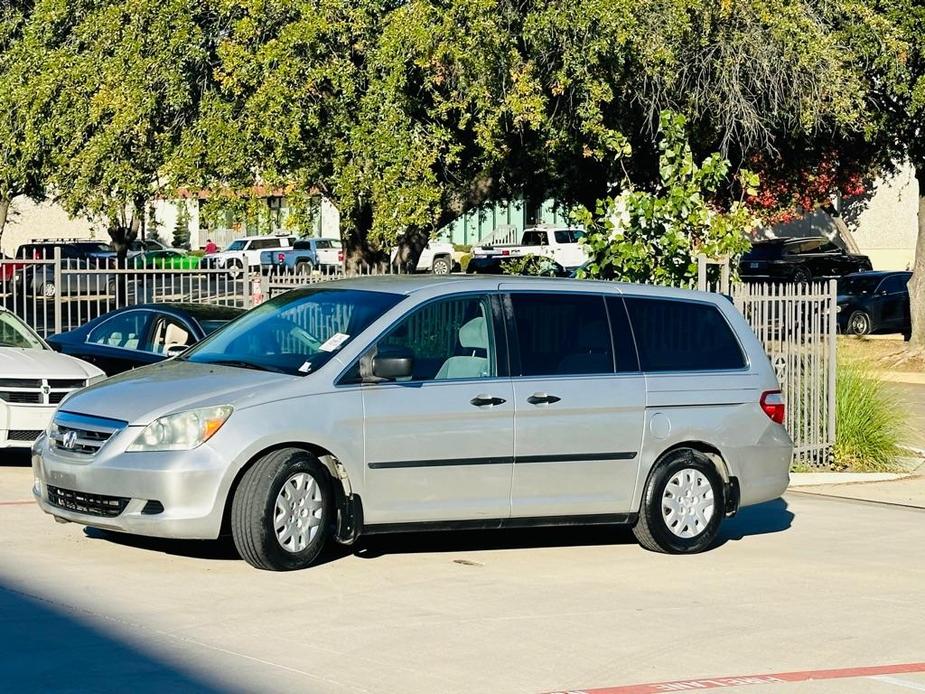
393, 364
175, 350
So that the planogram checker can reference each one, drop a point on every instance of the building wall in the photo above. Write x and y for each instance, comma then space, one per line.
30, 221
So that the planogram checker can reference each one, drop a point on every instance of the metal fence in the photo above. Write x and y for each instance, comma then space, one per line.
58, 294
796, 323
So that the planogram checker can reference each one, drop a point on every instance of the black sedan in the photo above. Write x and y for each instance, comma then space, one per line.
874, 302
140, 335
799, 260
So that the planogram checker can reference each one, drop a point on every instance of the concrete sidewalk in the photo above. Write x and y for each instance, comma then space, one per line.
905, 490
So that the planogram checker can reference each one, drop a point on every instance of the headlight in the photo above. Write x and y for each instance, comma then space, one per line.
838, 309
182, 431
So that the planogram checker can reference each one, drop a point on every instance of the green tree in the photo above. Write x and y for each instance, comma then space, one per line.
643, 236
117, 83
22, 149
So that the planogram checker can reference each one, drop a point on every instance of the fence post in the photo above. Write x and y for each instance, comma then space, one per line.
702, 272
58, 289
833, 352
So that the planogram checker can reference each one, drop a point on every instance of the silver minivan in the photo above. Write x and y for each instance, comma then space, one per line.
407, 403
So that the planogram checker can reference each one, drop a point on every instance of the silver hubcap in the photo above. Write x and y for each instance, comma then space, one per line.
687, 503
297, 516
859, 324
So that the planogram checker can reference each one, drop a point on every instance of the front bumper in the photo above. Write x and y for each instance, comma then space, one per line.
190, 486
20, 425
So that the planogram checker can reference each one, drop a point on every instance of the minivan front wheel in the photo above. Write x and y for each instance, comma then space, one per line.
282, 511
682, 505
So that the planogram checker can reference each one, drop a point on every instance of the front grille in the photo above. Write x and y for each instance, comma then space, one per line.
91, 504
82, 434
21, 398
23, 435
20, 383
67, 383
34, 392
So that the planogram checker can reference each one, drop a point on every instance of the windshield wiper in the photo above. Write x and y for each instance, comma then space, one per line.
243, 364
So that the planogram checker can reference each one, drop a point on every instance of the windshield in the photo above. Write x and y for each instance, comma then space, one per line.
295, 333
15, 333
237, 245
857, 286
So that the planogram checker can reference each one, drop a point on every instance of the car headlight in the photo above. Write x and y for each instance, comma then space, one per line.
182, 431
838, 309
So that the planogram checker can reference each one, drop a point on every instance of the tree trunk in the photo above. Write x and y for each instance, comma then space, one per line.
410, 246
917, 283
4, 213
359, 256
844, 233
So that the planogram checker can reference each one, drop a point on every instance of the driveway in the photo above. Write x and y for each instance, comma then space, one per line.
799, 584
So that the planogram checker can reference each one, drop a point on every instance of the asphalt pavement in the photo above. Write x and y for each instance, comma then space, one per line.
804, 584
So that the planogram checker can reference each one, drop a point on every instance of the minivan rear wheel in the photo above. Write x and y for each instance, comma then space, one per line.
682, 505
282, 511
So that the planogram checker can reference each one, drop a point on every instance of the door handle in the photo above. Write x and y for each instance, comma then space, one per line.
542, 399
487, 401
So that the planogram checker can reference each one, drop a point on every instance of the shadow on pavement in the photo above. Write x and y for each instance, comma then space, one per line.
15, 457
769, 517
47, 649
221, 549
469, 540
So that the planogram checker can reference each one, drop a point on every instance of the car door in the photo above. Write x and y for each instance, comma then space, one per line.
439, 445
117, 343
892, 297
579, 404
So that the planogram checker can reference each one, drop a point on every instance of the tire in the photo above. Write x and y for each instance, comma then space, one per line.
111, 287
858, 323
304, 268
235, 269
801, 276
907, 336
254, 508
442, 265
660, 528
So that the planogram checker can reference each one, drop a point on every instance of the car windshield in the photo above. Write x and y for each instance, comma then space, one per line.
15, 333
858, 286
295, 333
237, 245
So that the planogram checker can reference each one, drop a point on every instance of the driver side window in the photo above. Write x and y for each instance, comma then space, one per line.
448, 340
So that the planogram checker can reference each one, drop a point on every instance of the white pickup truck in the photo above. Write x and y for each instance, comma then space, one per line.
559, 244
244, 253
437, 257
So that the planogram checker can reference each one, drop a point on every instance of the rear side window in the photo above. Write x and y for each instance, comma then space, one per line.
673, 335
562, 334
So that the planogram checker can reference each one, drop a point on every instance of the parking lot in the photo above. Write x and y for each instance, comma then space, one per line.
799, 584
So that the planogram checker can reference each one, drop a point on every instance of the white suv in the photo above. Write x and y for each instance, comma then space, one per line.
406, 403
34, 380
244, 253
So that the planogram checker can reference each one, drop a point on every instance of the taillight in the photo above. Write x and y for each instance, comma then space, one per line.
340, 256
772, 402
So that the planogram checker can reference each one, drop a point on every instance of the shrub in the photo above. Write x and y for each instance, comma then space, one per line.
869, 422
530, 264
655, 235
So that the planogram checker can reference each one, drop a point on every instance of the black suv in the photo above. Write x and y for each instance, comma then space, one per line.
799, 260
